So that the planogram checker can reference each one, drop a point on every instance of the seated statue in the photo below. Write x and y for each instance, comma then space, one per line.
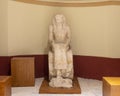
60, 54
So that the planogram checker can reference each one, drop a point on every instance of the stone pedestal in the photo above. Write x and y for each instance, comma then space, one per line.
46, 89
111, 86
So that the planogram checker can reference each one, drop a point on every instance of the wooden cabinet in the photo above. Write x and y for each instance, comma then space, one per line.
22, 71
5, 86
111, 86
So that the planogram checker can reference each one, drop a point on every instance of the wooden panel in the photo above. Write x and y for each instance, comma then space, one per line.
106, 88
22, 71
5, 86
111, 86
45, 88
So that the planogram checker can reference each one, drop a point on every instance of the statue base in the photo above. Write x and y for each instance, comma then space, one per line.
46, 89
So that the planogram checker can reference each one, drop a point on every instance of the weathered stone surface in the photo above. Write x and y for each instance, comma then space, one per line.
60, 53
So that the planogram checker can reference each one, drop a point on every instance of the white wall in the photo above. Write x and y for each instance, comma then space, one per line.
3, 28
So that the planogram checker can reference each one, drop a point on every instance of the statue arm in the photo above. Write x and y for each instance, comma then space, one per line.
51, 38
68, 36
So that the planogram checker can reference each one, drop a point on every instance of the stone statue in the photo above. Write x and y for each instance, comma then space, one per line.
60, 54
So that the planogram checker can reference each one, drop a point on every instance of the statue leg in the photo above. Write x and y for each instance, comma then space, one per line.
58, 73
68, 73
52, 71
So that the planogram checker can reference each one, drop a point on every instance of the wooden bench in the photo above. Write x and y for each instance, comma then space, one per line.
111, 86
5, 86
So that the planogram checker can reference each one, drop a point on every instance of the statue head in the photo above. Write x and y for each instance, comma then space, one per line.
59, 18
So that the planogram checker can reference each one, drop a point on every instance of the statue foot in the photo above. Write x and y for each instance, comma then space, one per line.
61, 82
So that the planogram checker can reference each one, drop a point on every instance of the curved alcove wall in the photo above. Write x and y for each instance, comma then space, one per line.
28, 28
3, 28
95, 30
95, 35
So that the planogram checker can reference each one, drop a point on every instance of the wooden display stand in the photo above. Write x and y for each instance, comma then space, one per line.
5, 86
22, 71
111, 86
45, 88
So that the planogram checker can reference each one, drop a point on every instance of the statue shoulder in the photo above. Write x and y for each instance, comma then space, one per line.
68, 28
51, 28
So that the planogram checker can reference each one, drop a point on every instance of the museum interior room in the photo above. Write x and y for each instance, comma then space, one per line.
89, 50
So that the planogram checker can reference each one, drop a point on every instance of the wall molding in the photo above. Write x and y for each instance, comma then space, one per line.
72, 4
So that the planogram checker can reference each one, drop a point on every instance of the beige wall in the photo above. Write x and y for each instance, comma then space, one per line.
3, 28
28, 28
89, 26
114, 31
95, 30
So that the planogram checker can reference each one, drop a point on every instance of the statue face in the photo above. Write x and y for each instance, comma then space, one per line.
59, 18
